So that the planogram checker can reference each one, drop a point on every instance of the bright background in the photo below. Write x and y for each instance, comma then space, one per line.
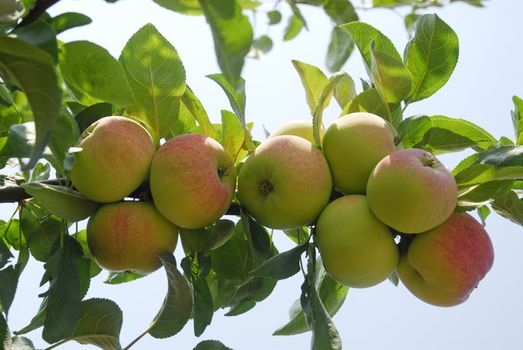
488, 74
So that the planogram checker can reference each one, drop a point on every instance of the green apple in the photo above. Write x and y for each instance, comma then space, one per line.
129, 236
357, 249
301, 128
115, 157
444, 265
411, 191
192, 180
353, 145
285, 182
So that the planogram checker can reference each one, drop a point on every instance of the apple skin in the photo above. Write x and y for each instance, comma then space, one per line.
115, 159
129, 236
301, 128
411, 191
357, 249
353, 145
192, 180
444, 265
285, 182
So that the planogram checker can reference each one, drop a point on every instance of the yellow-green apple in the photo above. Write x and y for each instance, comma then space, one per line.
353, 145
442, 266
357, 249
285, 182
129, 236
301, 128
115, 157
411, 191
192, 180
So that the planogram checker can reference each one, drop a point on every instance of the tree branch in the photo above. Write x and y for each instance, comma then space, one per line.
39, 8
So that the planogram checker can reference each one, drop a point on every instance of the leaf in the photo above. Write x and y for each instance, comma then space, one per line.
208, 238
517, 119
100, 324
369, 101
62, 201
340, 11
345, 91
92, 113
482, 194
449, 135
4, 332
390, 77
502, 156
232, 33
274, 17
177, 306
231, 259
90, 69
324, 333
298, 235
39, 34
363, 35
297, 12
64, 296
69, 20
157, 79
412, 130
332, 295
187, 7
122, 277
483, 213
32, 70
293, 28
211, 345
9, 282
283, 265
261, 46
510, 206
431, 56
40, 229
339, 50
233, 134
196, 109
64, 134
203, 305
482, 173
313, 81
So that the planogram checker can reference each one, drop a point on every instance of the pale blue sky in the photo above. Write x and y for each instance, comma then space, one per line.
489, 72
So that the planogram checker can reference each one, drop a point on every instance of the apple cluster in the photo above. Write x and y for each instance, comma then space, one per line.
365, 196
381, 193
192, 182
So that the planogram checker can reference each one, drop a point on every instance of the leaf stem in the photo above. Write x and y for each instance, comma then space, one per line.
137, 338
55, 345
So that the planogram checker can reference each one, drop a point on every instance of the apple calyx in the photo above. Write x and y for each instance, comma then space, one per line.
430, 161
266, 188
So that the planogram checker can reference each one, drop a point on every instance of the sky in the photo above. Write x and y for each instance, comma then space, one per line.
488, 74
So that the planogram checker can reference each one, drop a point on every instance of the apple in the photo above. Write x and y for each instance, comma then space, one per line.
129, 236
357, 249
285, 182
301, 128
353, 145
444, 265
192, 180
114, 160
411, 191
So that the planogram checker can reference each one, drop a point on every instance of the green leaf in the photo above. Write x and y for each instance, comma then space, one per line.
233, 134
40, 229
230, 261
157, 78
232, 33
92, 113
345, 91
412, 130
332, 295
20, 141
410, 21
293, 28
478, 174
203, 305
297, 12
62, 201
32, 70
187, 7
9, 281
64, 295
274, 17
298, 235
363, 35
4, 332
483, 213
339, 50
69, 20
502, 156
390, 77
90, 69
40, 34
482, 194
517, 119
177, 306
196, 109
247, 296
122, 277
370, 101
313, 81
431, 56
449, 135
260, 46
211, 345
340, 11
510, 206
283, 265
100, 324
64, 134
208, 238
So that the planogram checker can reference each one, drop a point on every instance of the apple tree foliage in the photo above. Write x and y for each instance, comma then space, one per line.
50, 91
